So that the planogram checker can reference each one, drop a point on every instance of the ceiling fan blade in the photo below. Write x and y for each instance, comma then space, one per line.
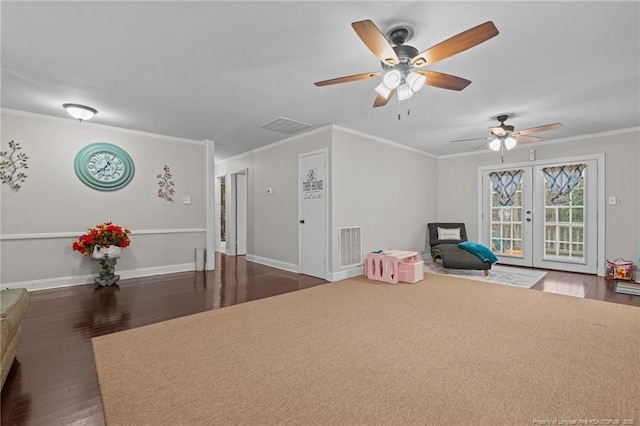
468, 140
444, 81
483, 145
376, 41
456, 44
382, 101
539, 128
527, 139
498, 131
347, 79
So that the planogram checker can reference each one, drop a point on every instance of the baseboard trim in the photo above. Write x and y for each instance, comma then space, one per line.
331, 277
273, 263
347, 273
49, 283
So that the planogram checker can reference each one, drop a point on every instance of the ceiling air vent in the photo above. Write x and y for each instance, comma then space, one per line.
285, 125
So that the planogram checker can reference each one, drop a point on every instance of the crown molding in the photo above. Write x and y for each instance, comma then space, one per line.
274, 144
384, 141
97, 126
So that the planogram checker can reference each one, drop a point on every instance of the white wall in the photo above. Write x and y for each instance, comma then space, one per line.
272, 231
390, 191
458, 186
387, 189
41, 221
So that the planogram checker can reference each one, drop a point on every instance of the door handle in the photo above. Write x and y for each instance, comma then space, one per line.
302, 221
528, 219
528, 211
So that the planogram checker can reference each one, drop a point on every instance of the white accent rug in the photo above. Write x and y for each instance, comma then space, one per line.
518, 277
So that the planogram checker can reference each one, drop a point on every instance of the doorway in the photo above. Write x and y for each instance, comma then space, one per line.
544, 215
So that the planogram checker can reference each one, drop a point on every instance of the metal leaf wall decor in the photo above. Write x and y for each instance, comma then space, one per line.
13, 161
165, 184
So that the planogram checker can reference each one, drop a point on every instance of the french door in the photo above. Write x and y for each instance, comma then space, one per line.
542, 215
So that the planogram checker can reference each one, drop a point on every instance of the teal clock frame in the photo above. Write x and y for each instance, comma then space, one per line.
82, 158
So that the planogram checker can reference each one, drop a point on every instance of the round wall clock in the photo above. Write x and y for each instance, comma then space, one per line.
104, 166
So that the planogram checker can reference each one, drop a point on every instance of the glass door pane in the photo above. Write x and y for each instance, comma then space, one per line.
564, 225
506, 223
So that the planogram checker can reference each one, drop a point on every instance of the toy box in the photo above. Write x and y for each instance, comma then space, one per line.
619, 269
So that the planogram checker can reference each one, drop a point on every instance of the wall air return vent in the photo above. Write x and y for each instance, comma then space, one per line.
350, 246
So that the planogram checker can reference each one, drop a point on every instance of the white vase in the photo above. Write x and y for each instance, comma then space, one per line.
112, 252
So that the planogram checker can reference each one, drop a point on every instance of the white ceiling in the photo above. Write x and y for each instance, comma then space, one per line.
218, 70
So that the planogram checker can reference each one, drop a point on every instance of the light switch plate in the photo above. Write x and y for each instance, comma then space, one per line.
186, 199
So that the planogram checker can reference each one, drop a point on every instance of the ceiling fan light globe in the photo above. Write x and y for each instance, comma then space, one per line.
392, 79
495, 144
415, 81
383, 90
404, 92
510, 143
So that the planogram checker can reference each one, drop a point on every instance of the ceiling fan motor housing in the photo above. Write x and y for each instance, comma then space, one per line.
405, 52
505, 127
399, 35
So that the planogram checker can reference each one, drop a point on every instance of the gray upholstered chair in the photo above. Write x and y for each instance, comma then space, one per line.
446, 248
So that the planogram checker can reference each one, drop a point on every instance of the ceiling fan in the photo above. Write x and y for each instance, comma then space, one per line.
401, 63
504, 136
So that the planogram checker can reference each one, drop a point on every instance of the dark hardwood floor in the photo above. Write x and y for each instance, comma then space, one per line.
53, 379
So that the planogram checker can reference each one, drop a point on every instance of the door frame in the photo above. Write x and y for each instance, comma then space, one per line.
600, 199
325, 204
218, 213
231, 214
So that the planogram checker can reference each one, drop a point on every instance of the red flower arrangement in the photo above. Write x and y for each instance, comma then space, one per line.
105, 235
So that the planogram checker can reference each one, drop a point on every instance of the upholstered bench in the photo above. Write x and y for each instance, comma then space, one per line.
14, 304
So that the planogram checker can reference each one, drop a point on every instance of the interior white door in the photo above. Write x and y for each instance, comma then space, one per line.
524, 226
312, 207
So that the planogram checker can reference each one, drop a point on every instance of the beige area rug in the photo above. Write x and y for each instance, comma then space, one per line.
444, 351
499, 274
